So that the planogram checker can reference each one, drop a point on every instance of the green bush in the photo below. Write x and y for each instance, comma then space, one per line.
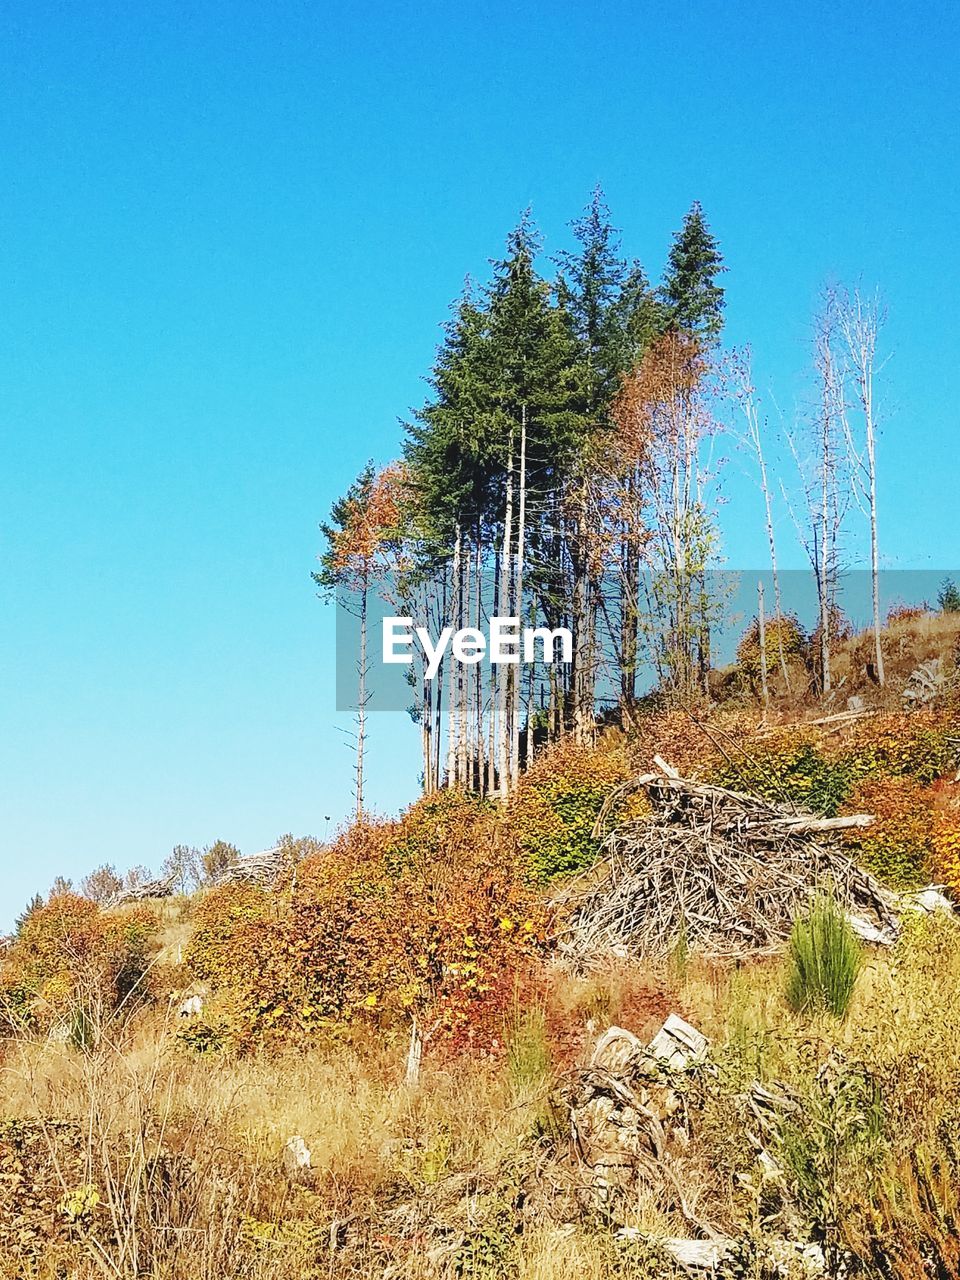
798, 774
552, 814
823, 959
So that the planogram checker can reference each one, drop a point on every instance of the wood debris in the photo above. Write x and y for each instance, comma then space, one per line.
253, 868
144, 892
716, 871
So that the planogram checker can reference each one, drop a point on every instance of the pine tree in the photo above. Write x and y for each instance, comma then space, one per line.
35, 903
613, 312
693, 299
535, 424
614, 317
448, 448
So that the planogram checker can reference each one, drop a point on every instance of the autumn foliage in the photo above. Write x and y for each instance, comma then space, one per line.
551, 816
420, 917
69, 954
440, 915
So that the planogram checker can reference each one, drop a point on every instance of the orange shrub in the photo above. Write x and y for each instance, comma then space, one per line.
69, 954
899, 845
946, 835
396, 919
901, 612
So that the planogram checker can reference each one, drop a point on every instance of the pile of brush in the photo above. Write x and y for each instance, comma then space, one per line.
717, 871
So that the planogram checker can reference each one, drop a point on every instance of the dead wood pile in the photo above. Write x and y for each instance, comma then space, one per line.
144, 892
718, 871
253, 868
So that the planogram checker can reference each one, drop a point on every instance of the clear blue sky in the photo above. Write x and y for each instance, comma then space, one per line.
228, 233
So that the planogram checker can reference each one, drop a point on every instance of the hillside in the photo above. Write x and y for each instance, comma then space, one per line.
387, 1061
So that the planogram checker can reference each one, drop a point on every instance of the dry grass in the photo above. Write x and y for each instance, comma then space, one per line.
186, 1149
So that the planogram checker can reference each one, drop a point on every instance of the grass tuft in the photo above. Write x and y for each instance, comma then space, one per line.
823, 959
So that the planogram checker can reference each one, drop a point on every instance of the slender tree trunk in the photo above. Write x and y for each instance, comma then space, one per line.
439, 615
518, 590
825, 568
771, 539
453, 700
464, 673
762, 626
478, 670
582, 637
492, 725
867, 325
503, 671
629, 601
426, 726
362, 698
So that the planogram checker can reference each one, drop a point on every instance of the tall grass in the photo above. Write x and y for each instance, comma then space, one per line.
823, 959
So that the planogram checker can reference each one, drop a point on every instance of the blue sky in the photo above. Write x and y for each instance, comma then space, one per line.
228, 233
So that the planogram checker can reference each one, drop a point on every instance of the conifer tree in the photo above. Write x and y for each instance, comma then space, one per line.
35, 903
693, 299
612, 309
536, 429
614, 316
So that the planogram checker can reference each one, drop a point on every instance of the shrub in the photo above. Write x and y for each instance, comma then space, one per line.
793, 766
553, 811
945, 854
823, 959
70, 958
914, 744
901, 612
948, 599
790, 770
779, 632
393, 920
897, 848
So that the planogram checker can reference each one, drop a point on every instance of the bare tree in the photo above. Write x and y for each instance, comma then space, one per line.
102, 884
755, 427
183, 867
824, 467
669, 400
859, 321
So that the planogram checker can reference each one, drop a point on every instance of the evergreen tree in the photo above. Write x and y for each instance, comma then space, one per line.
532, 366
612, 310
690, 293
448, 450
35, 903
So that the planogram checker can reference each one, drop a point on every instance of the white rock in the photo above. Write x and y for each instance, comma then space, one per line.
296, 1158
192, 1007
678, 1043
929, 900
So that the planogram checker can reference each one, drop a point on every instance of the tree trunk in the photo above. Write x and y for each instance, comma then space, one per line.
463, 673
503, 671
361, 698
762, 627
518, 590
453, 700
